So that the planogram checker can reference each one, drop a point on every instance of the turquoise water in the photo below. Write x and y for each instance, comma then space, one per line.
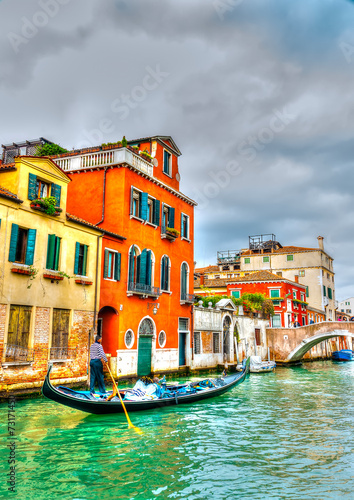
283, 435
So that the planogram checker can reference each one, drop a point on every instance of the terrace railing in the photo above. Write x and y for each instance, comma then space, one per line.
63, 353
143, 289
118, 156
187, 298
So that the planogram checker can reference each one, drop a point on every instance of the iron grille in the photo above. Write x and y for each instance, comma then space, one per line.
18, 353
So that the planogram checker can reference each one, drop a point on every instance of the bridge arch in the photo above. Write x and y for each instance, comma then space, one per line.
309, 342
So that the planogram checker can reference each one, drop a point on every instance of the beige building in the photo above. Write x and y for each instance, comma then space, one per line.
49, 272
312, 267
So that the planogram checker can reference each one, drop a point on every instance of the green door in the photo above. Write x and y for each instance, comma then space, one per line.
182, 348
144, 355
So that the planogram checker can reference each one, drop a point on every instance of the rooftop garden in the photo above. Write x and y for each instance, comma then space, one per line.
251, 302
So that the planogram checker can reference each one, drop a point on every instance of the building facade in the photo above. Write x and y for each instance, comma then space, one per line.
145, 311
311, 267
49, 278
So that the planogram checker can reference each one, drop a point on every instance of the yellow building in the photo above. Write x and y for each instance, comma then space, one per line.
312, 267
49, 284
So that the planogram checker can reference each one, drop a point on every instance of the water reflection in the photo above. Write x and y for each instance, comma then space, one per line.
281, 435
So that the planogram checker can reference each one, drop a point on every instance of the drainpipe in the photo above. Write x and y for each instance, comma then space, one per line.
192, 331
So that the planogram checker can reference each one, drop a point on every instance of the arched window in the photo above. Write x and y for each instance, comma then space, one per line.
184, 281
140, 269
146, 327
165, 273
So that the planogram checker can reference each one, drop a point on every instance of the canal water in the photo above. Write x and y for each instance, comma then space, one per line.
284, 435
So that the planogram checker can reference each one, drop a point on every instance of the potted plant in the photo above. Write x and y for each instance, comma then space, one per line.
47, 205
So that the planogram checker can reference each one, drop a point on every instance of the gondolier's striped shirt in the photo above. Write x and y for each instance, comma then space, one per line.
97, 352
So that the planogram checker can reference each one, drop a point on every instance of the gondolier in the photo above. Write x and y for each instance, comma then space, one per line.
97, 356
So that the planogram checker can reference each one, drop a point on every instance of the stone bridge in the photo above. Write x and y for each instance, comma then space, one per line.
289, 345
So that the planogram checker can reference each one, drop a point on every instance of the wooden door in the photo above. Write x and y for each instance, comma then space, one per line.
144, 355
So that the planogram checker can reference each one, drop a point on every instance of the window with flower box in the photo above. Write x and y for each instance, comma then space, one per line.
22, 245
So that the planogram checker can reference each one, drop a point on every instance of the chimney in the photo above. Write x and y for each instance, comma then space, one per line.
296, 278
320, 242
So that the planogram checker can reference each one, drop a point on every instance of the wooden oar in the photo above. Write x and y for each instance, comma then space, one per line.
130, 425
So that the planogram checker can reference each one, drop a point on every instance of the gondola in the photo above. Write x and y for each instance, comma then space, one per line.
83, 401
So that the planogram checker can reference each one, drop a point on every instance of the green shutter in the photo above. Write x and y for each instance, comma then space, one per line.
148, 267
142, 273
171, 217
329, 293
307, 292
57, 253
131, 200
182, 225
50, 251
84, 265
324, 291
32, 182
56, 192
31, 243
137, 278
117, 266
76, 262
143, 211
13, 242
131, 266
163, 273
156, 208
105, 271
184, 281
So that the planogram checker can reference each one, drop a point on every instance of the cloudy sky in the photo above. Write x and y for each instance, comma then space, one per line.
257, 94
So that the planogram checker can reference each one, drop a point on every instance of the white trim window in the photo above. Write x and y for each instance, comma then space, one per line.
184, 227
167, 163
112, 262
129, 338
162, 339
276, 321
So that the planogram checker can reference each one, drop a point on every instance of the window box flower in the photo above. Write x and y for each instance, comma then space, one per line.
46, 205
22, 270
53, 276
171, 233
83, 281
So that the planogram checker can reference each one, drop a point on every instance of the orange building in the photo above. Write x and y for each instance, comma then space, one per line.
146, 300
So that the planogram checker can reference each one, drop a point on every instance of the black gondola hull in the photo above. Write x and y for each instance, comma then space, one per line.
107, 407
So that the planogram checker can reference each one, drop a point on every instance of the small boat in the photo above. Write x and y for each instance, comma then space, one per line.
259, 366
173, 395
343, 355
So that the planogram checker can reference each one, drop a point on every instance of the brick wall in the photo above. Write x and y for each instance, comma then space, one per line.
17, 379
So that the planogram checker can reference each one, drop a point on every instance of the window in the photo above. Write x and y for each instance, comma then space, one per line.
184, 281
276, 321
185, 226
162, 338
22, 244
216, 342
328, 276
39, 188
324, 291
140, 270
112, 261
53, 251
302, 297
144, 207
265, 259
167, 163
80, 259
19, 326
165, 273
294, 295
236, 294
257, 334
289, 257
279, 273
301, 273
129, 339
60, 334
303, 321
307, 292
274, 294
183, 324
168, 217
197, 343
247, 260
329, 293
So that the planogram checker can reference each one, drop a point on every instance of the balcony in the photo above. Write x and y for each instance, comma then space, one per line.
62, 353
187, 298
119, 156
143, 290
15, 354
169, 233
